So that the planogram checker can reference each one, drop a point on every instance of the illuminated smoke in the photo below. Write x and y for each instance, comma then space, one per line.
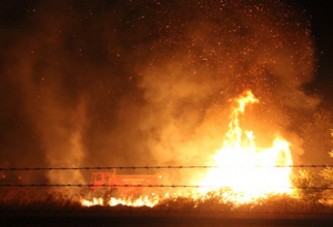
206, 58
148, 83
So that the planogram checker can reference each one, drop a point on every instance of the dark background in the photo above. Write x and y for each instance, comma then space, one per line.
321, 20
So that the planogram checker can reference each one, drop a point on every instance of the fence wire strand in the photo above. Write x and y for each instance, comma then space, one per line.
150, 167
137, 186
159, 167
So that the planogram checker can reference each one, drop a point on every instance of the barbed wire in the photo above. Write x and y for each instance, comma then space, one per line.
150, 167
160, 167
139, 186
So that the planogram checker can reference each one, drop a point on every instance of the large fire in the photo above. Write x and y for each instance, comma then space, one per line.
248, 171
243, 173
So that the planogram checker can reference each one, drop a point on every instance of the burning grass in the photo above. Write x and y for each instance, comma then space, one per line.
69, 199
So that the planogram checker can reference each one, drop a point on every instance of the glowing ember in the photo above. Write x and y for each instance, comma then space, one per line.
250, 173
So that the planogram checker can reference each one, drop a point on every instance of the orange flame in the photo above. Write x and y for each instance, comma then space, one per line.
138, 202
249, 172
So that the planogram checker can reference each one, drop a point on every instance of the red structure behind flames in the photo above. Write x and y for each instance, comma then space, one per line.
109, 183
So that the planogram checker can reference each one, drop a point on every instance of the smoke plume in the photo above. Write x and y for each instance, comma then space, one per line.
146, 82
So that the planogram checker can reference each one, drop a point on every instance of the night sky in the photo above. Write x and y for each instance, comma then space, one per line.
319, 13
95, 83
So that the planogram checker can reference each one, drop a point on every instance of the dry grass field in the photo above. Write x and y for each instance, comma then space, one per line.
45, 207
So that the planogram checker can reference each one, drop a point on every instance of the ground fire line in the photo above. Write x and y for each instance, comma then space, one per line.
245, 172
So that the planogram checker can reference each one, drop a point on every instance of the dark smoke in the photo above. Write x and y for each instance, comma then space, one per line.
94, 83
